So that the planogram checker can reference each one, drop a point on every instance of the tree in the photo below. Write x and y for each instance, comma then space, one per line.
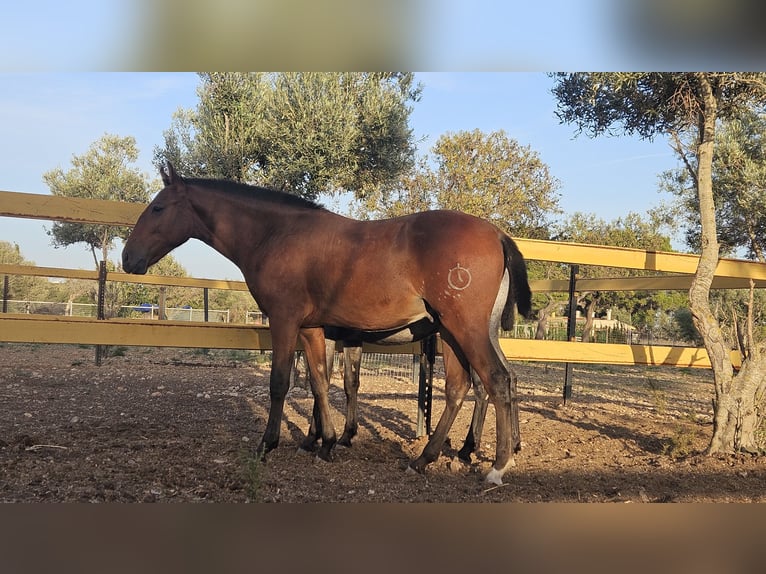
685, 106
20, 286
739, 190
103, 172
739, 187
488, 175
304, 133
496, 178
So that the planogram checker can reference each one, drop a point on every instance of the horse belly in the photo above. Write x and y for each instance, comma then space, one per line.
377, 310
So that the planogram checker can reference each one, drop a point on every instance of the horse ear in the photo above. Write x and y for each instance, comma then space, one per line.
168, 174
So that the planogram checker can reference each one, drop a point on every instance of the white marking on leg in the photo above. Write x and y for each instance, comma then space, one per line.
496, 476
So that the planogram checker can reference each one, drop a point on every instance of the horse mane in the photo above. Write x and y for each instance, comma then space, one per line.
247, 191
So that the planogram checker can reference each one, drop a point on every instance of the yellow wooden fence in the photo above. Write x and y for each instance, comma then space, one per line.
730, 273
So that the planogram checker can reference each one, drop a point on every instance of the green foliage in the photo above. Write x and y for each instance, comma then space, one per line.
252, 472
26, 287
488, 175
648, 104
103, 172
643, 308
685, 325
135, 293
237, 302
739, 188
682, 443
494, 177
305, 133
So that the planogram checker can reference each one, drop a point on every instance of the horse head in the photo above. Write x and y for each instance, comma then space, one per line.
167, 222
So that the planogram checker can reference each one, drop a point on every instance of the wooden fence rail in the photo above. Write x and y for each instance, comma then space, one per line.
730, 273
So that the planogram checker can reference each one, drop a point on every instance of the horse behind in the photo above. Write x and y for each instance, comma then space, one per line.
352, 360
308, 268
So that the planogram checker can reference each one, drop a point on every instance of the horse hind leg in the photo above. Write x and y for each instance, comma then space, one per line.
501, 385
482, 350
457, 383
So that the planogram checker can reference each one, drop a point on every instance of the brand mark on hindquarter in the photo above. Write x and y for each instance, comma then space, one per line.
459, 278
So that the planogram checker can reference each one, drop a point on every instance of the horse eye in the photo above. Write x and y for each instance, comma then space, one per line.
157, 208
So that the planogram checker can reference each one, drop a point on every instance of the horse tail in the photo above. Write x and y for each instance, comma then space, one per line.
519, 293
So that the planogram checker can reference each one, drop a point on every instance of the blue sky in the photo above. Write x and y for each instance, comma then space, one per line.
48, 118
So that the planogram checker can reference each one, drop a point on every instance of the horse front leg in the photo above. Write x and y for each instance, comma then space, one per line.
352, 361
314, 345
457, 383
283, 342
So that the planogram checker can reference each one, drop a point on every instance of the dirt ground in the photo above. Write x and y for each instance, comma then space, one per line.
180, 425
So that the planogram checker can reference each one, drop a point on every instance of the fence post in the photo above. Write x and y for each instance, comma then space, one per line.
205, 299
162, 312
100, 315
425, 384
571, 325
5, 293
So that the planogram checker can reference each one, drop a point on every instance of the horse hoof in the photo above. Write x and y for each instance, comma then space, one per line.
416, 467
495, 476
308, 445
318, 458
464, 457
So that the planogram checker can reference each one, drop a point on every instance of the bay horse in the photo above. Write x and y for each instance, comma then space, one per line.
308, 268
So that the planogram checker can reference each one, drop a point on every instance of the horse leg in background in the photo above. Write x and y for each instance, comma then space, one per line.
314, 345
457, 383
473, 438
352, 361
315, 428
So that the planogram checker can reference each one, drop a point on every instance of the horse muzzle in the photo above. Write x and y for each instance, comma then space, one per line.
131, 263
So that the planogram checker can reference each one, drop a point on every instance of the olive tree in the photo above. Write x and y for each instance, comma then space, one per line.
686, 107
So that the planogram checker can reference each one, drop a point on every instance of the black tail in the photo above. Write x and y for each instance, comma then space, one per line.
519, 293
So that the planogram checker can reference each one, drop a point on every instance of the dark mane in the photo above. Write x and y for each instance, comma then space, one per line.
244, 190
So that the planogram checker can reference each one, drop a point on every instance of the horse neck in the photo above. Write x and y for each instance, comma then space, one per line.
232, 225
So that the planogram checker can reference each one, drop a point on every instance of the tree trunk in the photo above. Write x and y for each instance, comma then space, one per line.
590, 313
542, 317
735, 416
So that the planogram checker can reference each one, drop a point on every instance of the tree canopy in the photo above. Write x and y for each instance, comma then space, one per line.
490, 175
739, 188
103, 172
304, 133
686, 107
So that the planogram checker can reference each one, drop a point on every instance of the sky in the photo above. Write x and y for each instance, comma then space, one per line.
72, 71
48, 118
